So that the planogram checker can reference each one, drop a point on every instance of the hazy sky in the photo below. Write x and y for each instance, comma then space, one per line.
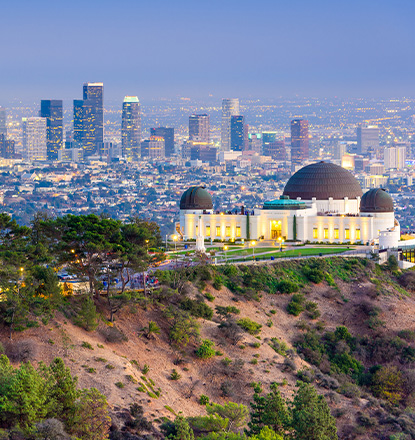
157, 48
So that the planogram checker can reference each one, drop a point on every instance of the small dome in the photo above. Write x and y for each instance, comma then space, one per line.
196, 197
376, 200
322, 180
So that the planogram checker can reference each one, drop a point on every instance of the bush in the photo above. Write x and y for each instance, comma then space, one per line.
251, 327
114, 335
312, 309
287, 286
206, 350
197, 308
203, 400
87, 345
87, 317
350, 390
296, 305
119, 385
175, 375
217, 282
306, 375
387, 384
314, 275
279, 346
408, 335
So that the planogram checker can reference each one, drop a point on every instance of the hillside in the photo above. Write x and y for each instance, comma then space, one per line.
375, 304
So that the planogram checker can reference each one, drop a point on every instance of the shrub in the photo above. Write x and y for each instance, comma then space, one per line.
279, 346
251, 327
388, 384
113, 334
87, 317
227, 388
203, 400
206, 350
314, 275
217, 282
350, 390
393, 263
408, 335
145, 369
197, 308
296, 305
287, 286
306, 375
175, 375
87, 345
209, 297
119, 385
289, 365
109, 367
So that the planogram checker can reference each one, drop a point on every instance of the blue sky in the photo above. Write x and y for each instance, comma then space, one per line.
159, 48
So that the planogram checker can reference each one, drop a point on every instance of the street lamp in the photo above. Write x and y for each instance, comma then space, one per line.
225, 248
175, 238
253, 243
147, 241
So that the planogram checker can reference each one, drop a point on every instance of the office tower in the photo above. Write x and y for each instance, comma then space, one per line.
230, 107
52, 111
276, 150
205, 153
34, 138
88, 115
6, 147
153, 148
199, 128
168, 135
239, 133
367, 139
267, 137
340, 149
255, 142
394, 157
299, 141
131, 128
3, 121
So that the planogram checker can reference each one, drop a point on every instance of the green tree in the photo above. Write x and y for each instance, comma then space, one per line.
62, 392
91, 421
183, 430
235, 413
87, 316
257, 412
267, 433
311, 418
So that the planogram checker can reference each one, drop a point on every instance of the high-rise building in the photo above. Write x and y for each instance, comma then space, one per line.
89, 117
199, 128
3, 121
131, 128
367, 139
267, 137
53, 112
168, 135
276, 150
255, 142
34, 139
394, 157
239, 133
6, 147
230, 107
299, 141
153, 148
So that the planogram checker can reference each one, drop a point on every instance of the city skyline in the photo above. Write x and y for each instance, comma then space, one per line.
285, 49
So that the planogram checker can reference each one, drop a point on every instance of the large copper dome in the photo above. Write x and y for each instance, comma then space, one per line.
322, 180
376, 200
196, 197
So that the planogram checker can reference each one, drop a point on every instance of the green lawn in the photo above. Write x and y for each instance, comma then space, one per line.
307, 252
248, 251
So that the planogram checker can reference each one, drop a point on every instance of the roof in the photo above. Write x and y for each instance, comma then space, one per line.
376, 200
284, 204
322, 180
196, 197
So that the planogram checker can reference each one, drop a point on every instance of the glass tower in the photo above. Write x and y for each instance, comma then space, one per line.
168, 135
3, 125
131, 128
230, 107
299, 141
52, 111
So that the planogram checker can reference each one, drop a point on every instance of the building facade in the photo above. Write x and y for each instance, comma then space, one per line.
167, 134
3, 121
299, 141
199, 128
322, 202
131, 128
367, 140
239, 133
153, 148
52, 110
34, 139
394, 157
230, 107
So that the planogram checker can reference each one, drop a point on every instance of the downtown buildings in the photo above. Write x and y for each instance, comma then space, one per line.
230, 107
299, 142
52, 110
131, 128
34, 139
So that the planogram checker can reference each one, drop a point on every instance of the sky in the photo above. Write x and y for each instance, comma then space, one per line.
174, 48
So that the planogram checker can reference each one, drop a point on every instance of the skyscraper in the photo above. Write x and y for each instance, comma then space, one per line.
275, 149
239, 137
199, 128
153, 148
52, 111
230, 107
367, 139
34, 138
394, 157
6, 147
267, 137
89, 117
168, 135
131, 128
299, 141
3, 124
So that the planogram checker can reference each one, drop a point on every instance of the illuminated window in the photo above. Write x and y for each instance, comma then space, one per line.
217, 231
357, 234
238, 231
228, 231
326, 233
336, 233
315, 233
207, 231
347, 234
